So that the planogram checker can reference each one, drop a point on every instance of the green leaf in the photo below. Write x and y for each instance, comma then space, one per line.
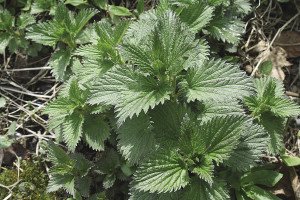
76, 2
2, 102
199, 189
253, 144
215, 80
262, 177
101, 4
24, 20
4, 41
205, 171
72, 130
6, 20
210, 109
96, 131
218, 137
58, 181
197, 15
266, 68
290, 161
118, 10
81, 19
163, 173
226, 30
109, 180
46, 33
130, 91
59, 62
57, 155
275, 127
140, 6
136, 139
255, 192
168, 48
137, 195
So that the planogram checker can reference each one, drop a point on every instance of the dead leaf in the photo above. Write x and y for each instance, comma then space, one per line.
290, 42
276, 55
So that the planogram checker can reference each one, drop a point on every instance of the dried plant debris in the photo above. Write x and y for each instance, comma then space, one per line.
290, 42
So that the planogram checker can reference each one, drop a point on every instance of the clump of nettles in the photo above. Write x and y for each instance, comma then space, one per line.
32, 185
178, 113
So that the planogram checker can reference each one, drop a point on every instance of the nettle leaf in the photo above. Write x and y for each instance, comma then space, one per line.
59, 62
72, 130
46, 33
164, 49
65, 27
58, 181
275, 128
197, 15
210, 109
137, 195
215, 80
165, 172
130, 91
199, 189
136, 139
270, 98
253, 144
24, 20
225, 29
218, 137
7, 20
96, 131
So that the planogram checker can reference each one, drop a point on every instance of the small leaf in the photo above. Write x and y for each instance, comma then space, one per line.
118, 11
266, 68
291, 161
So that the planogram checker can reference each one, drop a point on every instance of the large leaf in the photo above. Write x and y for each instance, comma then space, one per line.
252, 146
130, 91
255, 192
197, 15
136, 139
215, 80
199, 189
163, 173
217, 138
262, 177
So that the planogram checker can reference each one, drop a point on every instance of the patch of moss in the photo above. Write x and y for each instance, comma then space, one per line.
33, 182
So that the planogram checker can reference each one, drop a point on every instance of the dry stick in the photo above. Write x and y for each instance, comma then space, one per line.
271, 43
29, 93
25, 69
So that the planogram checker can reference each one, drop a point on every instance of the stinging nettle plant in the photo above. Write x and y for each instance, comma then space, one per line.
178, 115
